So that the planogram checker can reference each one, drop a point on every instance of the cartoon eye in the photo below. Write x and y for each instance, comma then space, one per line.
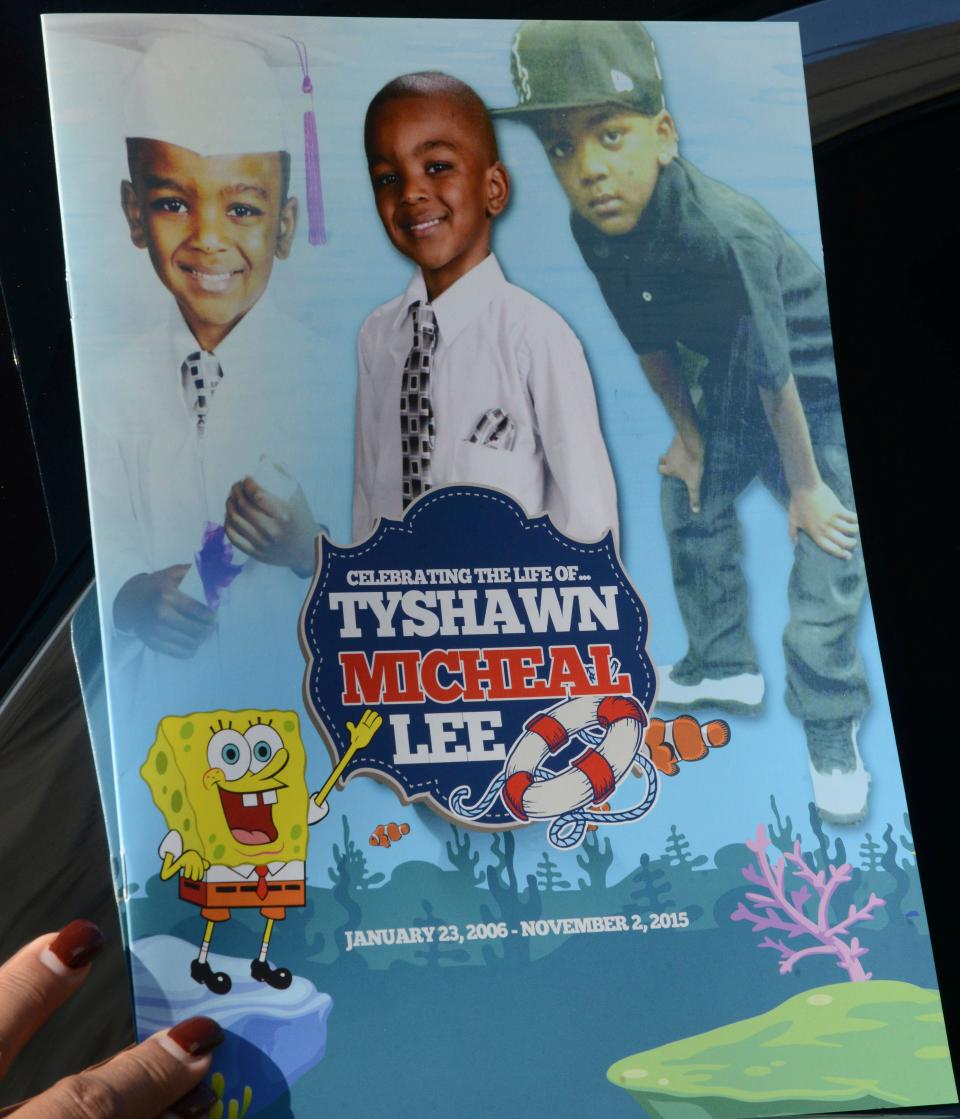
264, 742
229, 750
559, 149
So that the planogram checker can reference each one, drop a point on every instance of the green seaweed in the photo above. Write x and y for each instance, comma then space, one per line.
233, 1109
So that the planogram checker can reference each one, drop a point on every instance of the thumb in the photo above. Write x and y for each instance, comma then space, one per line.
351, 728
146, 1080
177, 572
693, 492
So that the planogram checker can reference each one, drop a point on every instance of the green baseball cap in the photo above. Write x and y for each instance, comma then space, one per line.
569, 64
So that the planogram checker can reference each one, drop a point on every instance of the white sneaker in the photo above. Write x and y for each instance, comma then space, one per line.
841, 784
742, 694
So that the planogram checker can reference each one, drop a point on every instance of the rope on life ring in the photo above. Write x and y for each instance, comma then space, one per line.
569, 829
611, 728
532, 792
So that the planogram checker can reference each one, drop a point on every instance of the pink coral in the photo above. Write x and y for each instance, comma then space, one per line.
774, 910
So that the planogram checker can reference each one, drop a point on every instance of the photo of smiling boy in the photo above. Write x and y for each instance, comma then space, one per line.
212, 226
205, 449
703, 281
465, 378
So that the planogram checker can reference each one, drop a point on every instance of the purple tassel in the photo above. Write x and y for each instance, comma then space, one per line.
311, 157
215, 563
317, 233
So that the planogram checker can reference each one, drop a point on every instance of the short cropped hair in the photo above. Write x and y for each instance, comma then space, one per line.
135, 144
432, 83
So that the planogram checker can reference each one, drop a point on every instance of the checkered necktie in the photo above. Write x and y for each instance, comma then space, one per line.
200, 375
416, 410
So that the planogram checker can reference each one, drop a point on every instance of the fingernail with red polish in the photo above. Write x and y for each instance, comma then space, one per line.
194, 1104
193, 1038
72, 948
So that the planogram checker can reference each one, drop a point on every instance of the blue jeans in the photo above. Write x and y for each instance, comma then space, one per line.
825, 678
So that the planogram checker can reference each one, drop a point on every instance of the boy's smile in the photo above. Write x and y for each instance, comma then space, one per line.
213, 226
434, 185
608, 160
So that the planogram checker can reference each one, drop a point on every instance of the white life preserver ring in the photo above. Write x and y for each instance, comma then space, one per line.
591, 776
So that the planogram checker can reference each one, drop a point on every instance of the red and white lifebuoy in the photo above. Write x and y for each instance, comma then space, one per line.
591, 776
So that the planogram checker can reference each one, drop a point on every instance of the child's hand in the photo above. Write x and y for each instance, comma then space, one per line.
684, 460
151, 606
270, 529
825, 519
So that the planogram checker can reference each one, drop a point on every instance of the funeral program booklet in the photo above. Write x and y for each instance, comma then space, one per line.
497, 724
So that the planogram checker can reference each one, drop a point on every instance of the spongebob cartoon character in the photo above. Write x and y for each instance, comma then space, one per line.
232, 788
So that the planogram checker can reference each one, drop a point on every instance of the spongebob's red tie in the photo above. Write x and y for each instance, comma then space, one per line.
262, 872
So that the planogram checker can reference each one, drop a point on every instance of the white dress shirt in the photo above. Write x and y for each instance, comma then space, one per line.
498, 347
154, 482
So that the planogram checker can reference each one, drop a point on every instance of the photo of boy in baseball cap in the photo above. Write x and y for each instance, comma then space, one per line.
692, 269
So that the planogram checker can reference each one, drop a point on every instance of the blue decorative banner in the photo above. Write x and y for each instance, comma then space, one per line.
495, 649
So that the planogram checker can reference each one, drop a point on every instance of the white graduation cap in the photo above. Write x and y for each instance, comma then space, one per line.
208, 84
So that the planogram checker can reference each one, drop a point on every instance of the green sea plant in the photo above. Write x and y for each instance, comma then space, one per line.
231, 1109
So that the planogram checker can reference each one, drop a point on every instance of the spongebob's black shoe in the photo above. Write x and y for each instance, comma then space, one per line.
278, 977
217, 981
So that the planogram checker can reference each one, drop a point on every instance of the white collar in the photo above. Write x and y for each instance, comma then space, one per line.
461, 303
237, 343
245, 870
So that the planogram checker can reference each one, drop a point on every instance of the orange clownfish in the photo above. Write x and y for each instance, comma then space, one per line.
683, 739
385, 834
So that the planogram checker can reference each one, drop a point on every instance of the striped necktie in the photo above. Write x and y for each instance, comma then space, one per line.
417, 429
200, 375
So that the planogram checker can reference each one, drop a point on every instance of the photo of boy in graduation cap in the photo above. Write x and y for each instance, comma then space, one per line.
204, 469
690, 267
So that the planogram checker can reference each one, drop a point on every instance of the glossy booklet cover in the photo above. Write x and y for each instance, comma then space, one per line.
497, 724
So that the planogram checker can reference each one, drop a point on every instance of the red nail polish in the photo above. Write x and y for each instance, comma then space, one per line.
77, 944
196, 1036
196, 1103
